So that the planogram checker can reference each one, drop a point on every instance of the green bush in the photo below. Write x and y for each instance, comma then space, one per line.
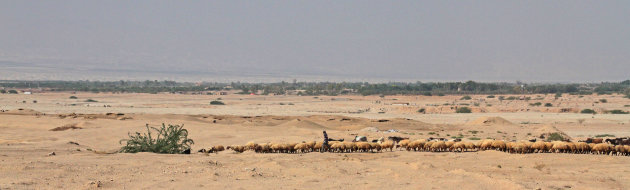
558, 95
463, 110
618, 112
3, 91
535, 104
170, 140
512, 98
73, 97
90, 100
216, 102
474, 138
603, 100
13, 91
548, 104
555, 137
427, 94
491, 96
466, 98
421, 110
440, 94
590, 111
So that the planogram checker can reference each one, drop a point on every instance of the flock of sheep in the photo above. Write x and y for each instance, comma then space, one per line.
522, 147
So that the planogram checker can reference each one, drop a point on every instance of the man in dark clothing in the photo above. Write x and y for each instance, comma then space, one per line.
325, 145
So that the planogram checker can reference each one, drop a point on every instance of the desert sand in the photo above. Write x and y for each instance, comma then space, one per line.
84, 137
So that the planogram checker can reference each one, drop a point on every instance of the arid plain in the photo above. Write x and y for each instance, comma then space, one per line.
85, 158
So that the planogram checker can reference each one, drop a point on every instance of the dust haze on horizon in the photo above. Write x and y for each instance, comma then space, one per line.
532, 41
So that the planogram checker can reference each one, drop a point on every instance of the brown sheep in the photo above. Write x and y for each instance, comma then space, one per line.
311, 145
427, 145
539, 147
521, 148
509, 147
449, 145
336, 147
582, 148
363, 146
498, 145
416, 145
237, 148
251, 146
619, 150
438, 146
404, 143
486, 144
301, 148
458, 147
387, 145
375, 146
601, 148
559, 147
470, 146
572, 147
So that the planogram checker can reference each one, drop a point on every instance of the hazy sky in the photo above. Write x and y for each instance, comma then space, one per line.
329, 40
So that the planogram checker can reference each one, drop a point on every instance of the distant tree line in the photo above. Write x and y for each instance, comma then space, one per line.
327, 88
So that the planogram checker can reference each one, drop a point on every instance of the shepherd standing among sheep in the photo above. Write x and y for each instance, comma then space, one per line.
325, 145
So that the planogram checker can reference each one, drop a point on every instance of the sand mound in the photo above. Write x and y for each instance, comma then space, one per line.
66, 127
490, 121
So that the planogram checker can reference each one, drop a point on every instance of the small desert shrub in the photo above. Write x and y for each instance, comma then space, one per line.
73, 97
473, 132
427, 94
440, 94
536, 104
617, 112
558, 95
170, 140
90, 100
431, 133
491, 96
13, 91
217, 102
626, 105
511, 98
548, 104
603, 100
3, 91
501, 97
463, 110
466, 98
421, 110
590, 111
555, 137
474, 138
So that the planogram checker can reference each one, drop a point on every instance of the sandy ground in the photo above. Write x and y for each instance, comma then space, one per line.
27, 139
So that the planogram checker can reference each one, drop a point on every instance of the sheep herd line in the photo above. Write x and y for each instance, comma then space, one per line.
523, 147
